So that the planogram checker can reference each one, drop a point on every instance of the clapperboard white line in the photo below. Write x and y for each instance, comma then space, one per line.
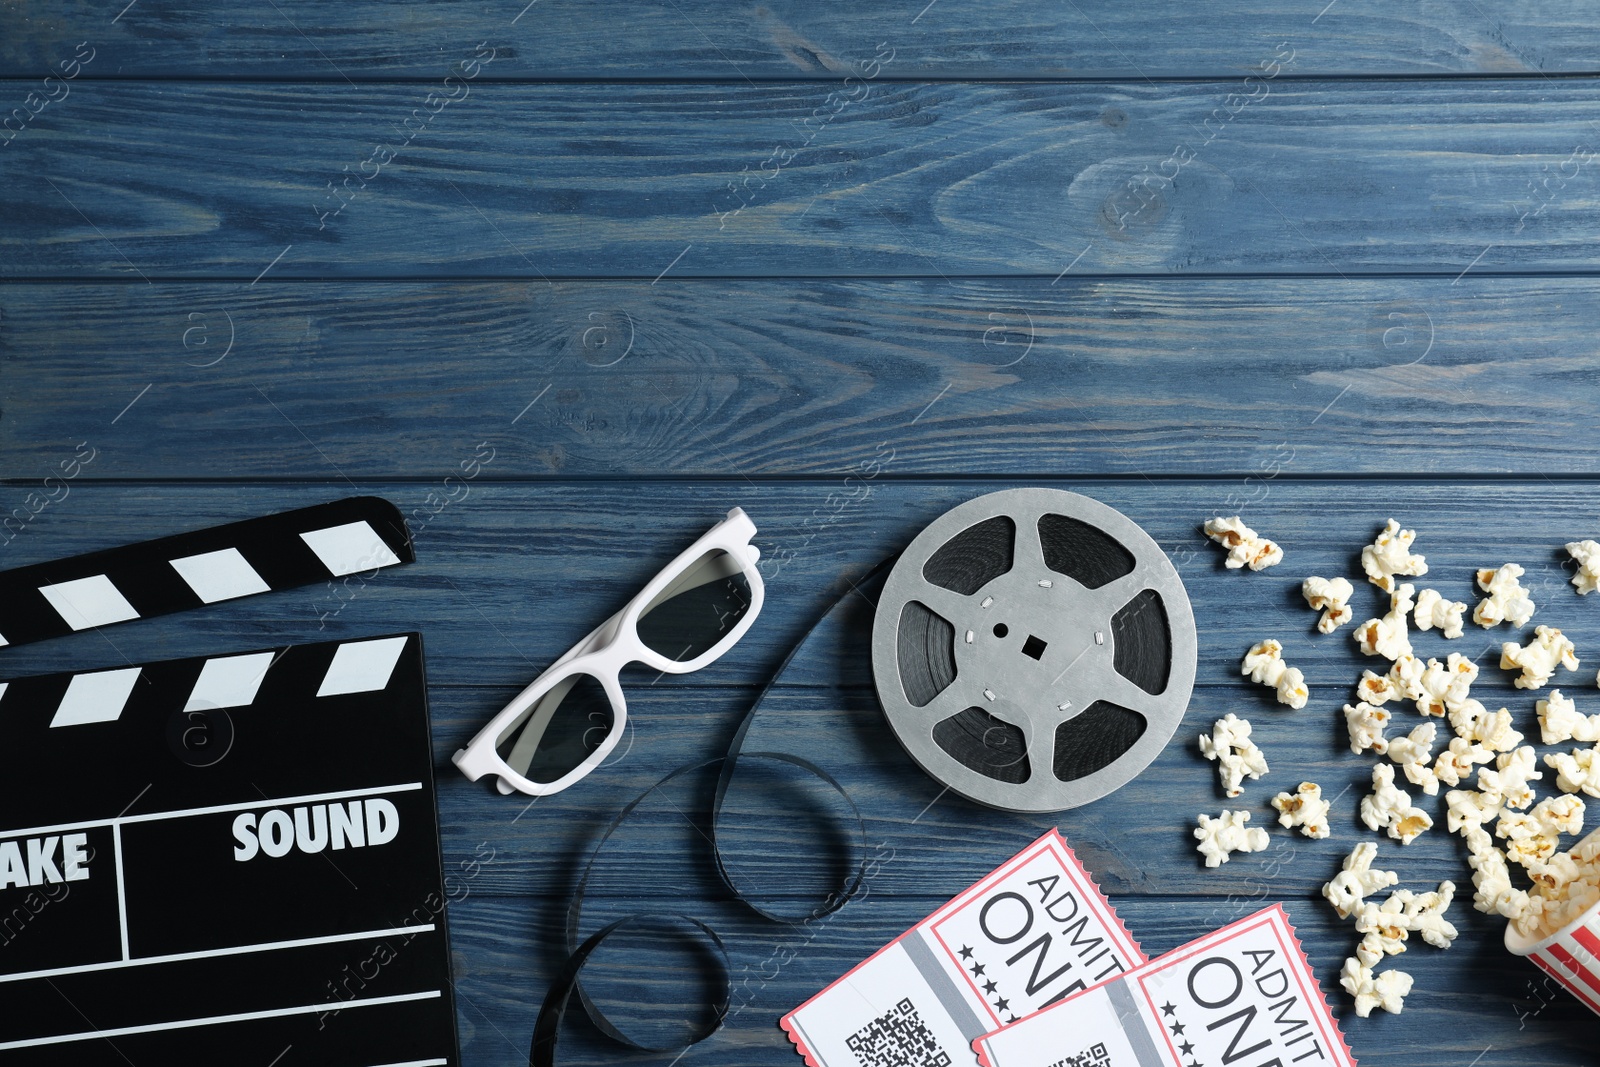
180, 957
184, 813
122, 896
217, 1020
419, 1063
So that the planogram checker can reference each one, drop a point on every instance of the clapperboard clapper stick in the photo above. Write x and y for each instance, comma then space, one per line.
356, 535
224, 859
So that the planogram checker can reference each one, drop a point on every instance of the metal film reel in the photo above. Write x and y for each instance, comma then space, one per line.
1033, 649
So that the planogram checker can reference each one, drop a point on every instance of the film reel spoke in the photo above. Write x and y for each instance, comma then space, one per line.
1033, 649
1112, 597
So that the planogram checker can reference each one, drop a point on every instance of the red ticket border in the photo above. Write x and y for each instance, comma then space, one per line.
1183, 952
1050, 838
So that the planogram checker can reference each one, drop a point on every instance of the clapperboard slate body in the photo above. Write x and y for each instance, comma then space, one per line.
222, 860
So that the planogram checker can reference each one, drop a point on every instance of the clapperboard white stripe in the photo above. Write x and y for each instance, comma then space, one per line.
221, 575
96, 697
215, 1020
350, 549
357, 535
229, 681
362, 666
89, 602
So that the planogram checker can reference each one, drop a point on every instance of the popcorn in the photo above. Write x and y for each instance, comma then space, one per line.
1508, 780
1357, 880
1390, 555
1375, 688
1467, 808
1366, 724
1532, 836
1404, 913
1389, 806
1227, 833
1412, 754
1492, 878
1559, 721
1579, 770
1387, 990
1374, 947
1475, 722
1387, 637
1383, 928
1458, 759
1304, 808
1406, 675
1587, 555
1330, 596
1236, 755
1507, 600
1445, 686
1244, 547
1264, 664
1434, 610
1539, 657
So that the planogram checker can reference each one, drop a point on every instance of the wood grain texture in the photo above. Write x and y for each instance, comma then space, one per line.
222, 180
700, 39
716, 378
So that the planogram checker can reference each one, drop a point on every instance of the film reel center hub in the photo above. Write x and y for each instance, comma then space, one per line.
1033, 649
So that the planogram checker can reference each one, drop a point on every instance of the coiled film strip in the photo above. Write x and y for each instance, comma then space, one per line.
1033, 649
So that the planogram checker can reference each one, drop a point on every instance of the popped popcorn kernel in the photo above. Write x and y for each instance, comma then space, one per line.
1506, 600
1331, 597
1434, 611
1245, 547
1236, 755
1304, 808
1538, 658
1264, 664
1388, 636
1587, 555
1390, 555
1225, 834
1389, 807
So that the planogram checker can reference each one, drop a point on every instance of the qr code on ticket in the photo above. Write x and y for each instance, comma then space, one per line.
897, 1038
1093, 1056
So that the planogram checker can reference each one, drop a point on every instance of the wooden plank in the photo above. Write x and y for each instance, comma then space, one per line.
147, 180
511, 576
513, 557
1011, 378
697, 39
1471, 1001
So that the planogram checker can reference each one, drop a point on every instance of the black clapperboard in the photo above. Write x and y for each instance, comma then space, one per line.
222, 859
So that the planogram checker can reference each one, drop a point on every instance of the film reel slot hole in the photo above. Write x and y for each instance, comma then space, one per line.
1001, 629
1034, 648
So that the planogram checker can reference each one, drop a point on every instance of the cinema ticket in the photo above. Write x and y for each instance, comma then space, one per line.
1244, 996
1034, 931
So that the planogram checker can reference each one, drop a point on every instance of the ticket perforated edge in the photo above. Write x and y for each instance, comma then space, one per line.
1243, 994
1031, 932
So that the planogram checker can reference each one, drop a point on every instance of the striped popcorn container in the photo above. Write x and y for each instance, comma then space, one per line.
1571, 955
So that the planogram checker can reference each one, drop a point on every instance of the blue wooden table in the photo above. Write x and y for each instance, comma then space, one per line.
1315, 264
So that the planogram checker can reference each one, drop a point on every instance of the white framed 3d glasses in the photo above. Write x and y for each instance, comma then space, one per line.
568, 721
